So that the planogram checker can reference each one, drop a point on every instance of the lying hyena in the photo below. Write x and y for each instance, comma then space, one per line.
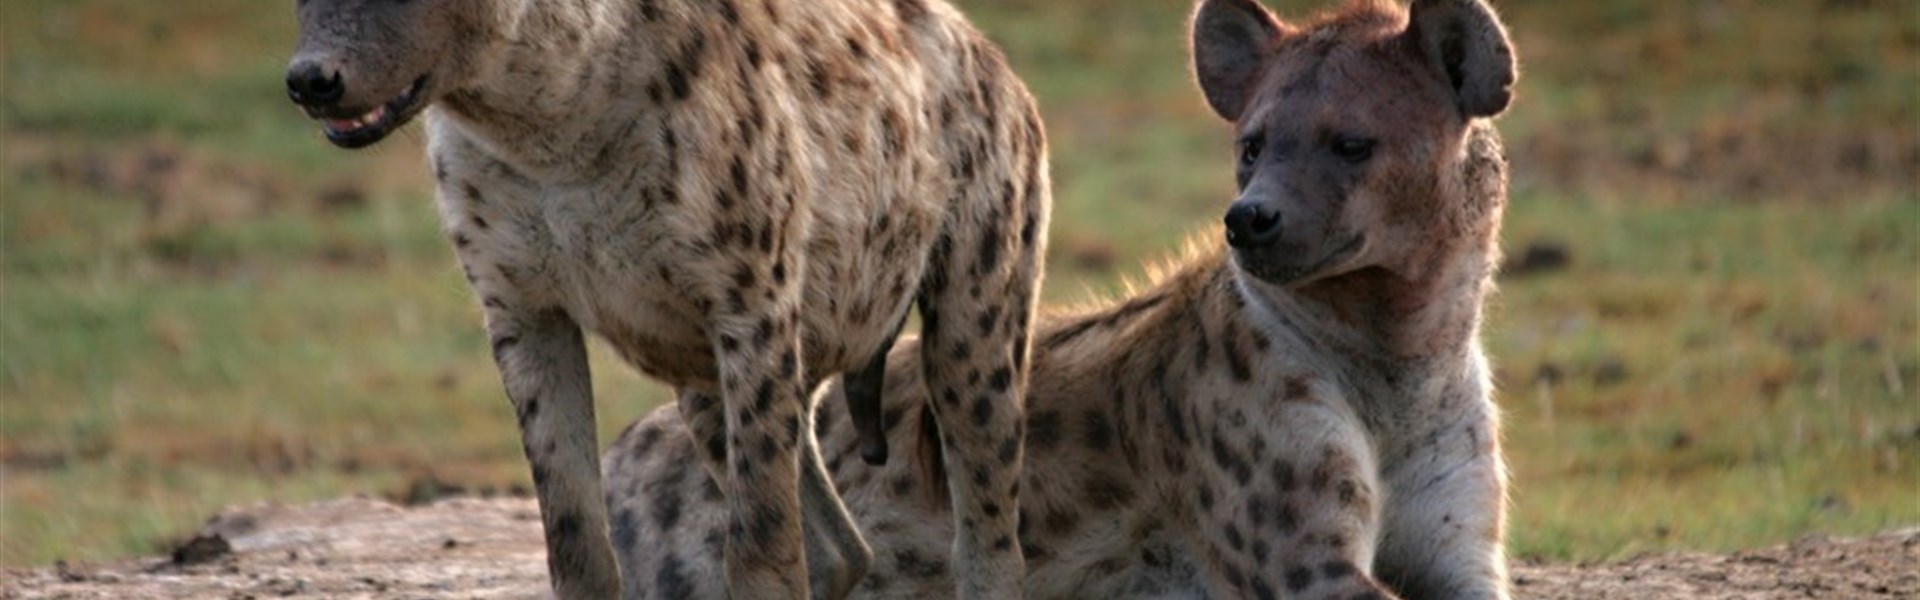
743, 198
1305, 414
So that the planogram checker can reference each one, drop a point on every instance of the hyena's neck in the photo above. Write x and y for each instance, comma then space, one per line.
1382, 317
570, 79
1424, 312
1403, 349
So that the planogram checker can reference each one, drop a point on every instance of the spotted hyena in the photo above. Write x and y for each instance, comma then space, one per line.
1300, 411
743, 198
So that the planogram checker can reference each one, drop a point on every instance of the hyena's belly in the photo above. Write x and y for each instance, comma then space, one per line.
855, 299
661, 339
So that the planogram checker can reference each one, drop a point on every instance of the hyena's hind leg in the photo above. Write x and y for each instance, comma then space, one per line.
837, 557
974, 360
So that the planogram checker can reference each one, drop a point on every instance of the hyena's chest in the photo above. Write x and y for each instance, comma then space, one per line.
608, 259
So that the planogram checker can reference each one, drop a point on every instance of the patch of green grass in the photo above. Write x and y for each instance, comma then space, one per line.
203, 304
1711, 375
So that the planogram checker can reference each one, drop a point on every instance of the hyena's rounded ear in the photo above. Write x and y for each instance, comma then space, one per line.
1464, 41
1231, 39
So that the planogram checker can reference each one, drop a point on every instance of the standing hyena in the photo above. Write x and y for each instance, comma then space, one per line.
743, 197
1306, 414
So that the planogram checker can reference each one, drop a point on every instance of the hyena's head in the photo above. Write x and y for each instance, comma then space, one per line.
364, 67
1352, 131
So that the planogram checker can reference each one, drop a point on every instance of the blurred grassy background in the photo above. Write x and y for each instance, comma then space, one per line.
1706, 337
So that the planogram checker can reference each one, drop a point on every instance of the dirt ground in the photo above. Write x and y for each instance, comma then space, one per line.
490, 548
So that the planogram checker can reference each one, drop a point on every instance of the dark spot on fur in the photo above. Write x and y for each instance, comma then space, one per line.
744, 277
647, 439
1230, 461
769, 449
1348, 492
1261, 589
1236, 358
738, 171
1296, 389
1043, 429
819, 79
1336, 569
1288, 519
1298, 579
1096, 430
717, 445
1283, 476
911, 564
1103, 491
677, 80
765, 522
989, 318
1001, 379
982, 410
566, 527
1009, 450
1234, 577
666, 510
671, 580
626, 529
1058, 522
990, 248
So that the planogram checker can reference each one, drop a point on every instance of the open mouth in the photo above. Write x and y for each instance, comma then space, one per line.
1285, 275
363, 129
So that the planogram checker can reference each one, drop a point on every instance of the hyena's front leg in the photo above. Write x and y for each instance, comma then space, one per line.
1443, 537
543, 362
837, 557
1298, 520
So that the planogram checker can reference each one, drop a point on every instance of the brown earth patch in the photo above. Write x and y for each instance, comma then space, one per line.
490, 548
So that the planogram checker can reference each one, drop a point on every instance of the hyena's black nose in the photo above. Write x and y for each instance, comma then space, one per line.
308, 84
1252, 224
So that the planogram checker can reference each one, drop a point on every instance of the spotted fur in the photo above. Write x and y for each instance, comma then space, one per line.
743, 198
1249, 425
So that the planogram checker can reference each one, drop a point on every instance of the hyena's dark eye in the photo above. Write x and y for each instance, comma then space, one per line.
1352, 149
1249, 151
